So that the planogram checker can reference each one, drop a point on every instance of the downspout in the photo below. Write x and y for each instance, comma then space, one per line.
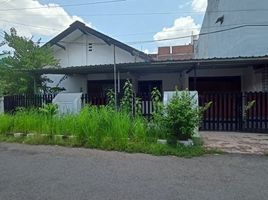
195, 78
118, 81
115, 84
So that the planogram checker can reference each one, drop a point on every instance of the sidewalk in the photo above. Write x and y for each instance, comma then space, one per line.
231, 142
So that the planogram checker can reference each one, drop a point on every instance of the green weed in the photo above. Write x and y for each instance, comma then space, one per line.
94, 127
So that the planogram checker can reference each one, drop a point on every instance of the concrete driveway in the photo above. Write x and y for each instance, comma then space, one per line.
231, 142
48, 173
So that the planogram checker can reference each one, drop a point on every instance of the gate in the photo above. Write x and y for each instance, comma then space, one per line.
228, 112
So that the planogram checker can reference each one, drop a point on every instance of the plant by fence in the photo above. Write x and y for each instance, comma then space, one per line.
238, 111
228, 111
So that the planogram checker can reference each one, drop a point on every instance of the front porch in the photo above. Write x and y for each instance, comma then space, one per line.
229, 83
216, 75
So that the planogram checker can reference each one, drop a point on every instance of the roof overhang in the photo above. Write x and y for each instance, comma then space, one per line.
160, 66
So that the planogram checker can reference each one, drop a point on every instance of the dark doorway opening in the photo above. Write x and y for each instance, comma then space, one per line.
146, 87
101, 87
215, 84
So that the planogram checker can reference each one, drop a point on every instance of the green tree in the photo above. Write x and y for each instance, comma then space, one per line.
26, 55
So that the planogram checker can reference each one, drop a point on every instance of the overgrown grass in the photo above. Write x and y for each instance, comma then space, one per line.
100, 128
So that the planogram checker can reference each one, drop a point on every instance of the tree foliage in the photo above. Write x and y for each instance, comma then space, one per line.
26, 55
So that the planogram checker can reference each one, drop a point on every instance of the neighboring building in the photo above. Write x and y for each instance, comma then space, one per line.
183, 52
233, 29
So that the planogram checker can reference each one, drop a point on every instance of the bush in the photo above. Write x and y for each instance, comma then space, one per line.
179, 119
182, 116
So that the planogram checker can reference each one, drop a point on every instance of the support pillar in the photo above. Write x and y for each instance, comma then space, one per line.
1, 105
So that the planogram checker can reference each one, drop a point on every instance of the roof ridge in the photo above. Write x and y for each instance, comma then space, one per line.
84, 28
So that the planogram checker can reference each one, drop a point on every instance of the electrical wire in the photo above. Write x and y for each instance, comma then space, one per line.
200, 34
129, 14
176, 38
130, 34
169, 39
63, 5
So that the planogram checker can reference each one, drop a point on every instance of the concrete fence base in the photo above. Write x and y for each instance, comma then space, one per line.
1, 105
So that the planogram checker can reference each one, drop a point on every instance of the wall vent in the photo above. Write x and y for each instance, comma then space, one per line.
90, 47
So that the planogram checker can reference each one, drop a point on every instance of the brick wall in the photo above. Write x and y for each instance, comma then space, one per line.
183, 52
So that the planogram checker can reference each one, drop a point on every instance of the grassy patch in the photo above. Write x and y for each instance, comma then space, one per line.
129, 146
98, 128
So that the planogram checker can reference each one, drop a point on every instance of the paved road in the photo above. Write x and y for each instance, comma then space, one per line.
41, 172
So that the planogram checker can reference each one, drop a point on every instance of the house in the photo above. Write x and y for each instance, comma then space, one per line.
80, 45
225, 65
88, 58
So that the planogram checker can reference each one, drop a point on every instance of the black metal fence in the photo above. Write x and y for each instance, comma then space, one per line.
228, 112
256, 119
225, 114
94, 100
11, 103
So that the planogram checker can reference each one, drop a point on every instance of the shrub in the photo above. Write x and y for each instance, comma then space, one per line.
182, 116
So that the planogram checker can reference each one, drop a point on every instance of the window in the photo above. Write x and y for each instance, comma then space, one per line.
146, 87
100, 88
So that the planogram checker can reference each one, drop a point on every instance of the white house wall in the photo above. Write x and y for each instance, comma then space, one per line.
74, 83
246, 41
77, 53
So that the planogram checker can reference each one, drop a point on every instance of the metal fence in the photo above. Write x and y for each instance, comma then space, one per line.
226, 113
12, 103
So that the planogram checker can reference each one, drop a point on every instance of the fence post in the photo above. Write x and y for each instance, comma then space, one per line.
1, 105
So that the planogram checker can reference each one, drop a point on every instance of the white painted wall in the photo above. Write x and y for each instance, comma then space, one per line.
73, 83
77, 54
247, 41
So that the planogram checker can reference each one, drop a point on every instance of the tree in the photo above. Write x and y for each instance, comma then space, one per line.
26, 56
